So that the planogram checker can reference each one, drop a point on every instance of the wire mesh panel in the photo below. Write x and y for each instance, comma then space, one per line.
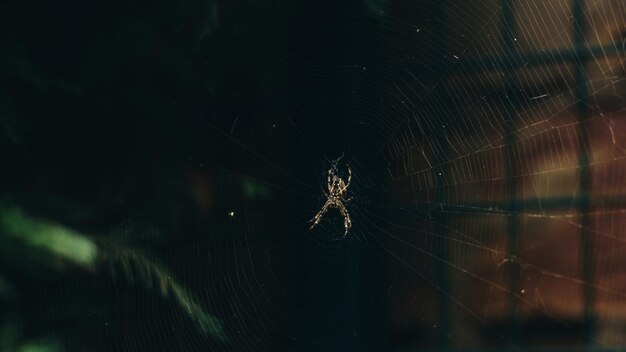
537, 174
509, 63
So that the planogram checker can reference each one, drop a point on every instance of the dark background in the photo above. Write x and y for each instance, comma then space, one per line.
198, 135
157, 119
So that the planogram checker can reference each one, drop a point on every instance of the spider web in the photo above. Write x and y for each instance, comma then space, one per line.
414, 97
466, 125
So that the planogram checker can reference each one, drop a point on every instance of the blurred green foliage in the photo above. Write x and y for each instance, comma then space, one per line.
91, 139
40, 240
137, 268
46, 246
41, 346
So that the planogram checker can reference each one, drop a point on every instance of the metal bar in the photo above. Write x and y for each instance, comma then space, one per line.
508, 47
534, 58
536, 349
441, 227
584, 158
530, 206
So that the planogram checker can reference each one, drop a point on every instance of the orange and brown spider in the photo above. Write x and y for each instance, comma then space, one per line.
335, 198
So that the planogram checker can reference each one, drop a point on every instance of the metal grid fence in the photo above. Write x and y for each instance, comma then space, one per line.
509, 61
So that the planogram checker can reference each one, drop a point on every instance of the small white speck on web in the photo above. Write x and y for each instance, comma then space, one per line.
231, 214
417, 29
456, 57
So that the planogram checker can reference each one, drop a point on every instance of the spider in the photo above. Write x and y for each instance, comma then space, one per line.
337, 189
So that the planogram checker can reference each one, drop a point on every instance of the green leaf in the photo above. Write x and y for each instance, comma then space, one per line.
37, 238
137, 267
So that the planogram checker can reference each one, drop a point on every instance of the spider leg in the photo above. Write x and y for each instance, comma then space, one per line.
318, 217
345, 187
347, 223
328, 183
